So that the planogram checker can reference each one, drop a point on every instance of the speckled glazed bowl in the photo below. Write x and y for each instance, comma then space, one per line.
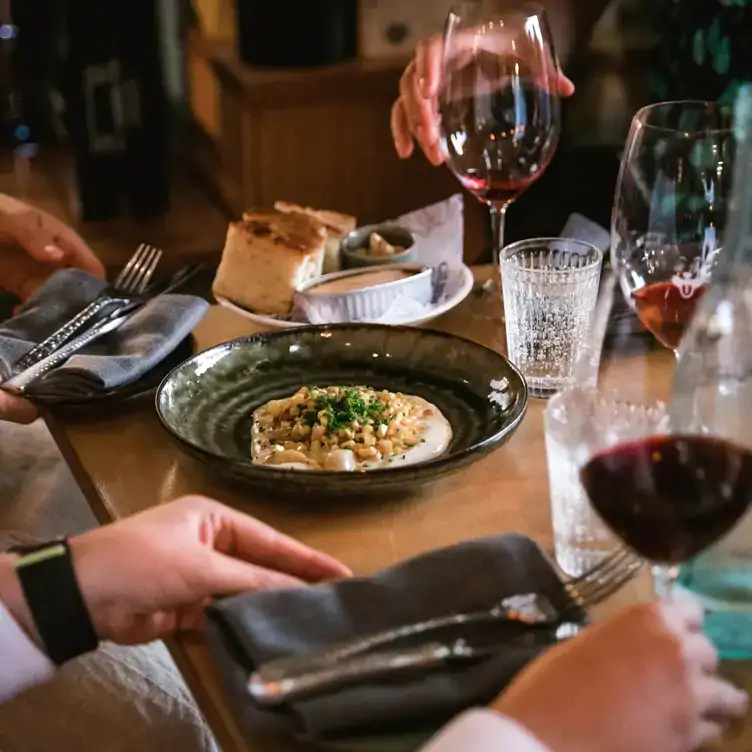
207, 402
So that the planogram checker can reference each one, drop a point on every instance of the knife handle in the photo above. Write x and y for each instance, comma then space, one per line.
355, 671
60, 336
19, 383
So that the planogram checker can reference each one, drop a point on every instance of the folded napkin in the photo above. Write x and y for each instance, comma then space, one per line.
120, 358
248, 630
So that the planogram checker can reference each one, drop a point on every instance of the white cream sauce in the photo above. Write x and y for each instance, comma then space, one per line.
434, 440
360, 281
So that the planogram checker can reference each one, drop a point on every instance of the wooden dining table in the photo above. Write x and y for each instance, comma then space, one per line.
125, 463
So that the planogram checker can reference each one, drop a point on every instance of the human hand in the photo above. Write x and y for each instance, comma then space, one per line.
149, 575
17, 409
34, 244
415, 114
643, 680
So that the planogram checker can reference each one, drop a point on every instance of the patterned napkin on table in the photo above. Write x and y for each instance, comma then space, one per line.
120, 358
248, 630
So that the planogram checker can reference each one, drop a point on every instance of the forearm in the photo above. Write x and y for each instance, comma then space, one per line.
22, 660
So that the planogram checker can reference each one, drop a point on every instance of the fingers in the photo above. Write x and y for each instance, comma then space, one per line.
415, 113
428, 61
706, 733
77, 254
16, 409
29, 232
229, 575
565, 85
681, 614
421, 114
717, 703
238, 535
717, 698
47, 239
700, 653
403, 138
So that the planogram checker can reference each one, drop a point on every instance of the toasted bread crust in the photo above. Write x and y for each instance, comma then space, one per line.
335, 222
294, 231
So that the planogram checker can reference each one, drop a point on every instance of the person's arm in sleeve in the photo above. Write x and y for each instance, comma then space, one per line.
484, 731
22, 663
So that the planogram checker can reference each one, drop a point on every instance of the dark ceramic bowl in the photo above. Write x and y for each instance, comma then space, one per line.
352, 245
207, 402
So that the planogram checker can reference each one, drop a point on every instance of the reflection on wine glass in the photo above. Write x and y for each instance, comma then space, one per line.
670, 210
499, 105
670, 497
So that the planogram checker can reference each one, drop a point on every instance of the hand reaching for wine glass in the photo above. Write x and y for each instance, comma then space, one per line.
415, 113
644, 679
485, 99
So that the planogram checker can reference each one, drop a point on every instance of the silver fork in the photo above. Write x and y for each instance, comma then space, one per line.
603, 580
533, 609
130, 283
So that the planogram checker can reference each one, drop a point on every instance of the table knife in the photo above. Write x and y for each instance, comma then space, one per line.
385, 664
19, 383
526, 610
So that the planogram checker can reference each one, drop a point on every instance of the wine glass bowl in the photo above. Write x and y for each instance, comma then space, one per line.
670, 210
498, 103
670, 497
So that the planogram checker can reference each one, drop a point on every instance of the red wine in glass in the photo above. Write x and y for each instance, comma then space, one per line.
494, 187
665, 309
670, 497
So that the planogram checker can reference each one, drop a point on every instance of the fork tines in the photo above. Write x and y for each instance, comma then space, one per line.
604, 579
139, 270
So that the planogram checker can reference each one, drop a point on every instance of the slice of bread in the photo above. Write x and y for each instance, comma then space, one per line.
267, 256
337, 226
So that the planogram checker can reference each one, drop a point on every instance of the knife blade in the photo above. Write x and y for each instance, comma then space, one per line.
385, 664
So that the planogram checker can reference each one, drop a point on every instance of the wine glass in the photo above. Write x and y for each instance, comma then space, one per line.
499, 106
669, 497
670, 210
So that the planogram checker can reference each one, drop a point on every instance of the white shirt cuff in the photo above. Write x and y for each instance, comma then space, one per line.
484, 731
23, 663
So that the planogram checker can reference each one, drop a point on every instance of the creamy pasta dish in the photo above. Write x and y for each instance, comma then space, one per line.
347, 428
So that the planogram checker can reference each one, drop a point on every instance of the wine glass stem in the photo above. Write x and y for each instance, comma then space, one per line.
664, 577
498, 217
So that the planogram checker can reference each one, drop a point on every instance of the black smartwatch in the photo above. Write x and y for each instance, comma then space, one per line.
53, 595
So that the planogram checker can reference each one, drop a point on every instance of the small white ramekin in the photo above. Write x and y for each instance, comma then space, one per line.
366, 304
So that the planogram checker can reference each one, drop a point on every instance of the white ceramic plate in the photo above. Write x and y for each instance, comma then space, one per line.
271, 322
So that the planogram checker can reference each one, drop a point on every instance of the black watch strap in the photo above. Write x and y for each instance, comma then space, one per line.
54, 598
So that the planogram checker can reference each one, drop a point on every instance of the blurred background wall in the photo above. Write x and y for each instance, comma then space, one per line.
249, 101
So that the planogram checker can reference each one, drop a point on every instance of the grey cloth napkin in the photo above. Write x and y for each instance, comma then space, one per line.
248, 630
120, 358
